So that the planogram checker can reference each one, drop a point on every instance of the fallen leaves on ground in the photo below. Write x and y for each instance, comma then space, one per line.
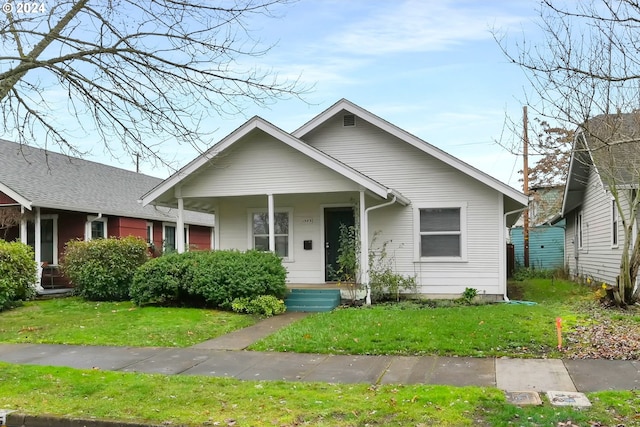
605, 338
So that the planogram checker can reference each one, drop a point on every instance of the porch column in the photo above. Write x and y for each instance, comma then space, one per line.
364, 245
38, 249
272, 233
180, 227
23, 226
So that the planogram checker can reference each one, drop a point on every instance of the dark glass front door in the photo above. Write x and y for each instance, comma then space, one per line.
333, 217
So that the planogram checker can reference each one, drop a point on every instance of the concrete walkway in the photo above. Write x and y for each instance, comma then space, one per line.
226, 357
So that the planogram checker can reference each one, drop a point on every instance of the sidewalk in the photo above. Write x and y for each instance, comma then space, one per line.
225, 357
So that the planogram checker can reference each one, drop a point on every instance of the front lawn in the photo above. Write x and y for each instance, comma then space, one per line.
513, 330
74, 321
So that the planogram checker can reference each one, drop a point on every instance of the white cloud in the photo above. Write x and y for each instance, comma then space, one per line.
419, 26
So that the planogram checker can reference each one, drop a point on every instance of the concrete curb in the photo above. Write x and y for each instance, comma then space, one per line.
21, 420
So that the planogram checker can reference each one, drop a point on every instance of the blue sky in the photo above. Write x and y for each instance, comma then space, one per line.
430, 67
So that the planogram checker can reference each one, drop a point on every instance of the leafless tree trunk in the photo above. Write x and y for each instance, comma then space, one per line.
134, 73
585, 74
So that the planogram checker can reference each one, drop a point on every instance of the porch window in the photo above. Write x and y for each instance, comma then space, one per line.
441, 233
170, 244
260, 231
150, 233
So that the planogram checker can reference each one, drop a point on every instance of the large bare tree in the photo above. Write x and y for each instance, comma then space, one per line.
135, 74
585, 73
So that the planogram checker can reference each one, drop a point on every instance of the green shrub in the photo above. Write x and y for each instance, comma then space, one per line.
103, 269
212, 278
263, 305
18, 273
160, 281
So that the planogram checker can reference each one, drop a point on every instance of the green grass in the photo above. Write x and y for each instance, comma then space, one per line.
192, 400
513, 330
74, 321
485, 330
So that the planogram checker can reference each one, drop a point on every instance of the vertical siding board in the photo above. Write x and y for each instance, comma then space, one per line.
546, 246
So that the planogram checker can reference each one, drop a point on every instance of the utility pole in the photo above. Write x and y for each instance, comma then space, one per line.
525, 185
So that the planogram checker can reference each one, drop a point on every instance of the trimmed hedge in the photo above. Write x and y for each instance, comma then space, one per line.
208, 278
103, 269
18, 273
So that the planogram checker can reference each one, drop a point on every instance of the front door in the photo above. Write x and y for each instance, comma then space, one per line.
333, 217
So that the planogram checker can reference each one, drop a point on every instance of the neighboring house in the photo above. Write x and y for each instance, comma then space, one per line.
444, 221
64, 198
605, 157
546, 233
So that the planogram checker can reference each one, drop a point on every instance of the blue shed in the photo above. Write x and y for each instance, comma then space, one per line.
546, 246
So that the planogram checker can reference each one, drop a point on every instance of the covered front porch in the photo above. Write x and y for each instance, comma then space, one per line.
302, 228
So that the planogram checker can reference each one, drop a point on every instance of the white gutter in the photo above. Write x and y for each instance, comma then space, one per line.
364, 232
506, 298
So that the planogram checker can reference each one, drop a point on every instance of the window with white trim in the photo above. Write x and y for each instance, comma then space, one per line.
442, 233
614, 224
169, 237
150, 233
579, 233
96, 228
259, 226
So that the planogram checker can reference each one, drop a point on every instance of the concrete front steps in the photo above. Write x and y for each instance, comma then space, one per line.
315, 300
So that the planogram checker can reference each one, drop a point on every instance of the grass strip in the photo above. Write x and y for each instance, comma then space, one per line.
195, 400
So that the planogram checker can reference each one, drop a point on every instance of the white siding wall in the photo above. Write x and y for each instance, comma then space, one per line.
261, 165
596, 258
305, 266
422, 179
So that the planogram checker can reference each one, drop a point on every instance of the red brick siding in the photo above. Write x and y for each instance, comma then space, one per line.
71, 226
4, 199
123, 227
199, 237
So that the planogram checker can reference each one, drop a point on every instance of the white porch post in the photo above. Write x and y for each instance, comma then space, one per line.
272, 233
180, 227
38, 249
364, 252
23, 227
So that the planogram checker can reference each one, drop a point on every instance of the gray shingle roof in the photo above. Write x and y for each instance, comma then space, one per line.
614, 144
52, 180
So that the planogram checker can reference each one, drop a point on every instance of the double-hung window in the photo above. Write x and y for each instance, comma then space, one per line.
259, 225
441, 233
96, 228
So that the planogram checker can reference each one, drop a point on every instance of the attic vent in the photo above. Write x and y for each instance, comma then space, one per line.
349, 120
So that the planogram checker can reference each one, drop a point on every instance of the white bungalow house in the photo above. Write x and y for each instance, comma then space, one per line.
444, 221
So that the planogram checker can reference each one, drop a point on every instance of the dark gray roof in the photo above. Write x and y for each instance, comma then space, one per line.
52, 180
611, 144
614, 145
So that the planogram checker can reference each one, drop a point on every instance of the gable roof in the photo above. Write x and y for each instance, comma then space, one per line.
34, 177
346, 105
163, 195
611, 145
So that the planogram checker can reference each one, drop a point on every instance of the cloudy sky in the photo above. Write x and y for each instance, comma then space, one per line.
431, 67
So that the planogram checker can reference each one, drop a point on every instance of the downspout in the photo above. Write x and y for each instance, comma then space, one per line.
365, 243
505, 226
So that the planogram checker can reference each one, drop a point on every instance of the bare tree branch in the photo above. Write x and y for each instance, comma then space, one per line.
134, 74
